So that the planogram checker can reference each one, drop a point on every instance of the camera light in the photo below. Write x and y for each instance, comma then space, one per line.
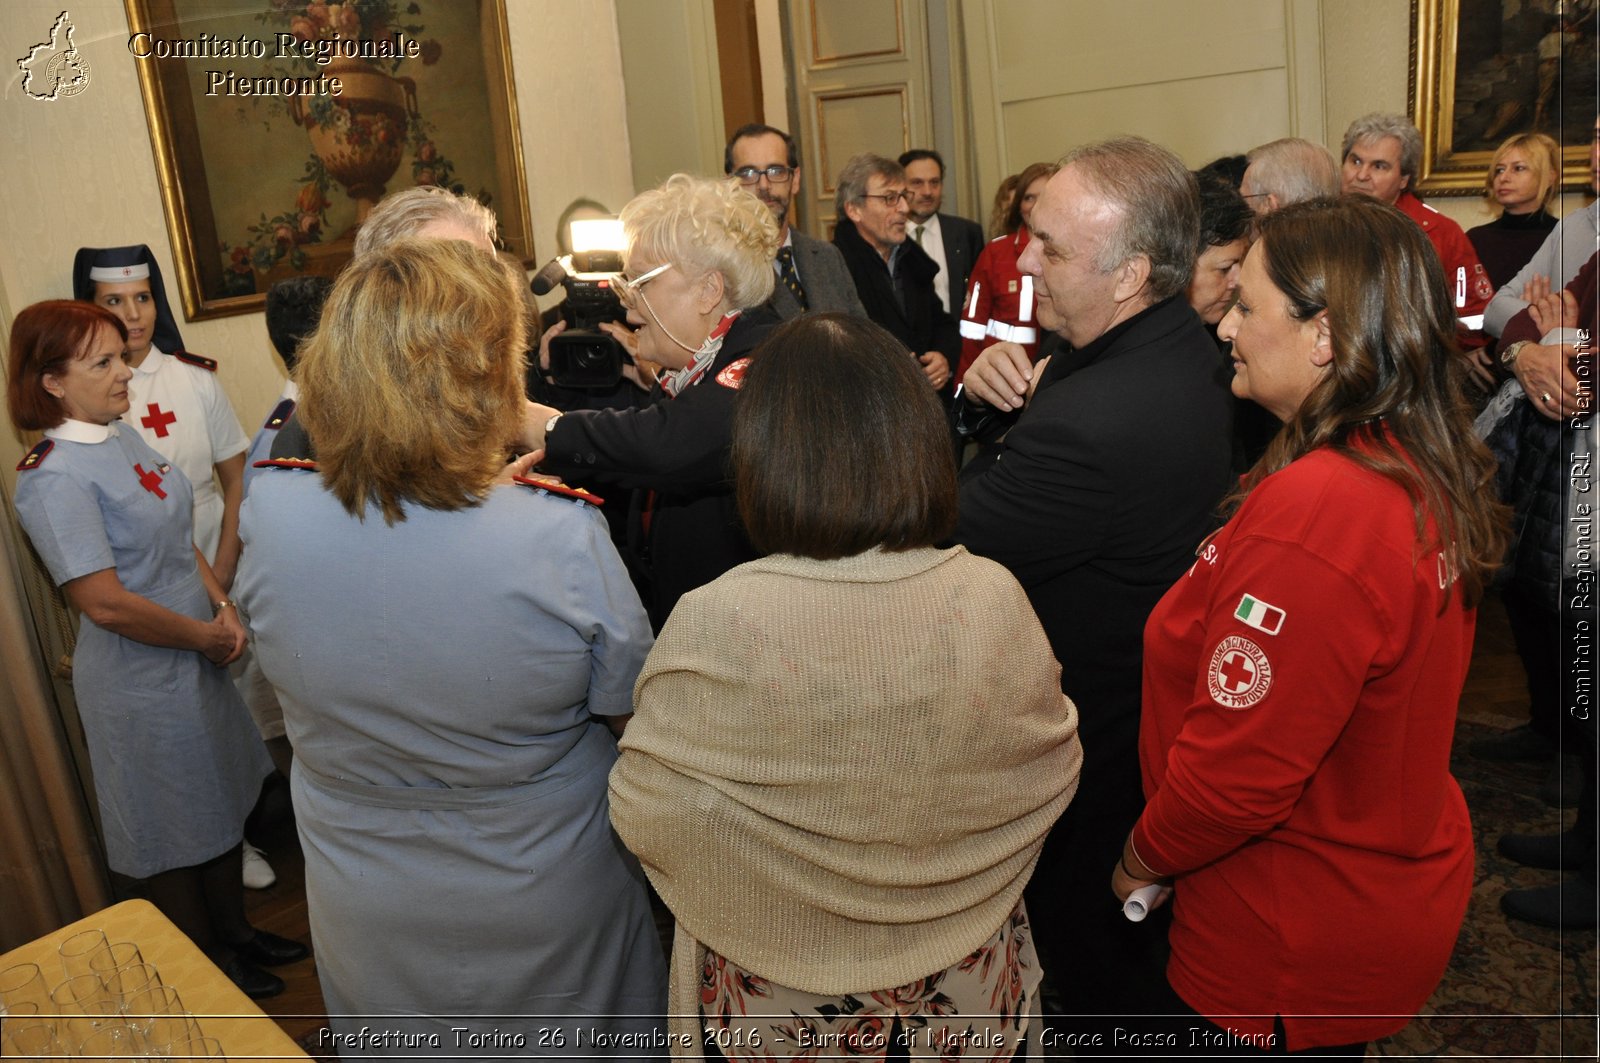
595, 234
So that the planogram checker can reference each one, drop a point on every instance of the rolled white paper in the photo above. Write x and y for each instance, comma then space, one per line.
1141, 900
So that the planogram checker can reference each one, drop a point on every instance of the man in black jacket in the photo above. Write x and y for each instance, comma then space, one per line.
1096, 501
953, 243
893, 276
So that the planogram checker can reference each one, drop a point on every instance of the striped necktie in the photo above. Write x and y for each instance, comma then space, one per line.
791, 278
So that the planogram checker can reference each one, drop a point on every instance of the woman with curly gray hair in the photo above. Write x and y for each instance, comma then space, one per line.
697, 269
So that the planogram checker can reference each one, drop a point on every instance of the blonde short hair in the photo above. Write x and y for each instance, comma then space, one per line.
707, 225
404, 214
1544, 157
412, 382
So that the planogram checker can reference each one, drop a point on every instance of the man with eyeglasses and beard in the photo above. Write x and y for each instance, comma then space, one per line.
894, 277
811, 273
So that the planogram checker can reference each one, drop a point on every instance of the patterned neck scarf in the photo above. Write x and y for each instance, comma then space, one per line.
675, 382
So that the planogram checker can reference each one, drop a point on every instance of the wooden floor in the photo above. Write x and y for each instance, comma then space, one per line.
1495, 695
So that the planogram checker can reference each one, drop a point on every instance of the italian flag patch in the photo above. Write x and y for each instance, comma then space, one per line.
1259, 615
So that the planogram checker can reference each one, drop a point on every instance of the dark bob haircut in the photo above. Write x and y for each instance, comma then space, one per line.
44, 338
294, 306
839, 444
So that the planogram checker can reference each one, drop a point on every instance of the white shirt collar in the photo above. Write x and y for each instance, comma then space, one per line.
291, 391
71, 431
152, 362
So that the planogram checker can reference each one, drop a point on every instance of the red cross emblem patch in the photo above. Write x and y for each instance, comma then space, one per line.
733, 375
1240, 674
158, 420
150, 480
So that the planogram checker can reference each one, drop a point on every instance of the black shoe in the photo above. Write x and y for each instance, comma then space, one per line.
1552, 852
1568, 906
252, 981
270, 950
1519, 743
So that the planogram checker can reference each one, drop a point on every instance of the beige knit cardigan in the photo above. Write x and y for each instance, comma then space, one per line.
840, 773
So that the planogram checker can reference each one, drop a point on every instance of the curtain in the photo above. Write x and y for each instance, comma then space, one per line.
51, 867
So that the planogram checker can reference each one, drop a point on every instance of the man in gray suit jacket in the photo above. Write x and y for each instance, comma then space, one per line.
811, 273
953, 243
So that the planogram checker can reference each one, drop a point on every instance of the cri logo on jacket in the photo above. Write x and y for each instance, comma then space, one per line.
1239, 675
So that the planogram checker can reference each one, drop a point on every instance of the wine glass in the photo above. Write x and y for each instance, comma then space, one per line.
113, 1043
23, 984
204, 1048
77, 950
34, 1041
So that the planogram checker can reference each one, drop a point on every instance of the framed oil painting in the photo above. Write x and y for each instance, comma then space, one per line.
1483, 70
277, 124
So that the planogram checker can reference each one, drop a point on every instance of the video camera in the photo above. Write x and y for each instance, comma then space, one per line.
583, 356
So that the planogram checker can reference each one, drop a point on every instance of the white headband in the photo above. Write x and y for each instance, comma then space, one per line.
112, 274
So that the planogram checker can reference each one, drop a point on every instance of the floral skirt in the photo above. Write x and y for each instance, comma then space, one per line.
977, 1009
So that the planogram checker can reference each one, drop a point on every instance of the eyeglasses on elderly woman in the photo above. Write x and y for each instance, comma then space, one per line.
630, 292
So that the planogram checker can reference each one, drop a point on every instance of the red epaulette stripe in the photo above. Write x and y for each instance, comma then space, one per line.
279, 415
562, 489
285, 463
208, 364
32, 458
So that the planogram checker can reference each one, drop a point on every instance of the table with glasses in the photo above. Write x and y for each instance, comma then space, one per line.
142, 976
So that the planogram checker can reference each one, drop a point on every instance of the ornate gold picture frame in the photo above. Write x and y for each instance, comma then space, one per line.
1482, 70
275, 130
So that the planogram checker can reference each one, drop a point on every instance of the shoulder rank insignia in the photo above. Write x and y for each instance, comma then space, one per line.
32, 459
558, 488
208, 364
733, 375
279, 416
286, 463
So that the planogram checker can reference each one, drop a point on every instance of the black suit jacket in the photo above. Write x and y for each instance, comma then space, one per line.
905, 303
1098, 497
823, 275
963, 243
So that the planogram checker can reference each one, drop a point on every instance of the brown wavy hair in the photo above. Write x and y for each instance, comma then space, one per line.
1024, 179
1393, 398
412, 382
45, 337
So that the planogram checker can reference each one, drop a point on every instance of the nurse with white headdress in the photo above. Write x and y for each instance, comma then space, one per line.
177, 404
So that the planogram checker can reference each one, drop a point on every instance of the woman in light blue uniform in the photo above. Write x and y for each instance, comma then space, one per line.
449, 652
176, 760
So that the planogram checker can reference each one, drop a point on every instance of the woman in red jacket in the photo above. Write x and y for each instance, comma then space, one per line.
999, 303
1301, 681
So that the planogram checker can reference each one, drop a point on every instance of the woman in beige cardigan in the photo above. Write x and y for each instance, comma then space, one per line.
845, 756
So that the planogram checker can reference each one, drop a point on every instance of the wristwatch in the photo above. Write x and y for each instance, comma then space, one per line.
1508, 357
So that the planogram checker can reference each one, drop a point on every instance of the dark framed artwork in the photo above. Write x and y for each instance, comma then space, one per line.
1483, 70
277, 124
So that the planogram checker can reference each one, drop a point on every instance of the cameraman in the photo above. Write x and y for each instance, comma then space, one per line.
551, 384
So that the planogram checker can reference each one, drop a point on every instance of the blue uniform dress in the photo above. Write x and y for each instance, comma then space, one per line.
439, 680
177, 763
